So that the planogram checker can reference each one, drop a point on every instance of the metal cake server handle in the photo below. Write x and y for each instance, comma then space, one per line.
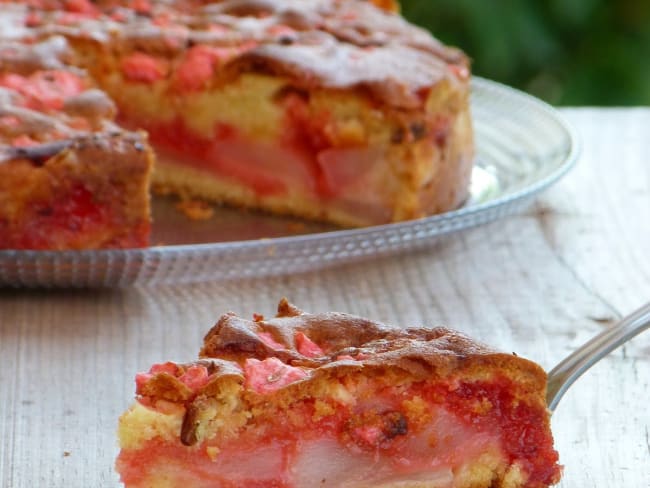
583, 358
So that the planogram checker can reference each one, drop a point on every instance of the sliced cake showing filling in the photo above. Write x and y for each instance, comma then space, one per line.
309, 400
69, 177
334, 110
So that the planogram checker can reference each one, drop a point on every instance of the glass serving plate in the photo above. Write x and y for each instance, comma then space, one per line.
523, 145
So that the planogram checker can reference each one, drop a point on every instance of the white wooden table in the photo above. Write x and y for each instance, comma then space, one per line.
539, 283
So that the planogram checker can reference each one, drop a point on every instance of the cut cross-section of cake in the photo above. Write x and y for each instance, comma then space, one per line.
332, 400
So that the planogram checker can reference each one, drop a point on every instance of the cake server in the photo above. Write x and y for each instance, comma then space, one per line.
575, 364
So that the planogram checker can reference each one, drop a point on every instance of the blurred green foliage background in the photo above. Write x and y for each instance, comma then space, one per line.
567, 52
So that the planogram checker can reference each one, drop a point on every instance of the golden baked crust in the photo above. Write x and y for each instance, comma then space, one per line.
462, 414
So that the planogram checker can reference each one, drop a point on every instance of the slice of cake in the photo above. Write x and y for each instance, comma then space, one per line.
333, 400
69, 177
335, 110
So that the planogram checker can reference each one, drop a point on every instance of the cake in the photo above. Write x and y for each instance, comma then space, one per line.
332, 110
69, 177
333, 400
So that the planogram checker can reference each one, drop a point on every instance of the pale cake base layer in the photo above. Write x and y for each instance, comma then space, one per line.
477, 475
141, 430
188, 182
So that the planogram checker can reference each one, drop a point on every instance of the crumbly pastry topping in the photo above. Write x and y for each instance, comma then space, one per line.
329, 43
284, 354
347, 340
